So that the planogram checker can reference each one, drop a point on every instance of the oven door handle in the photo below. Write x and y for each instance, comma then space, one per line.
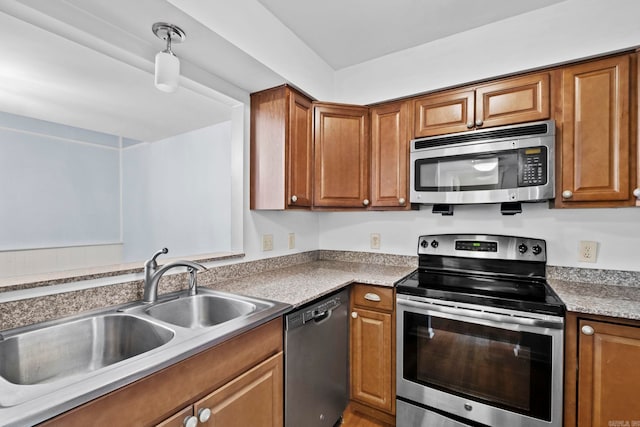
460, 313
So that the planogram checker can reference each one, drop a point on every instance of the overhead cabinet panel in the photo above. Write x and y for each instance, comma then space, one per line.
595, 135
341, 156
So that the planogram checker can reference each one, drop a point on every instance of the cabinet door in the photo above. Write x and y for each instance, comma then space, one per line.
179, 419
608, 374
389, 155
371, 358
595, 147
517, 100
341, 156
253, 399
299, 151
445, 112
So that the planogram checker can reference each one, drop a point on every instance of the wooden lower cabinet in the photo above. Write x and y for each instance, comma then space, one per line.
240, 380
253, 399
178, 420
372, 352
602, 372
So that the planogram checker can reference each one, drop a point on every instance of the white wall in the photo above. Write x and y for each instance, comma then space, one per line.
616, 231
567, 31
177, 194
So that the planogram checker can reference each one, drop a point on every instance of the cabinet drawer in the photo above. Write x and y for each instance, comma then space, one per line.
377, 297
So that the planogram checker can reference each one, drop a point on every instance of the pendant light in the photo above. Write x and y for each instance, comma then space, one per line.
167, 64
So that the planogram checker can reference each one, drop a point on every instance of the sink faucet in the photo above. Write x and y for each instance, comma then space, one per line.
152, 275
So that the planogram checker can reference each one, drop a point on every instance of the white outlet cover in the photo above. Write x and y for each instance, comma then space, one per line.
588, 251
375, 240
267, 242
292, 240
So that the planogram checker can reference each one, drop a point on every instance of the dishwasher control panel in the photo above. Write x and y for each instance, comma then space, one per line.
313, 312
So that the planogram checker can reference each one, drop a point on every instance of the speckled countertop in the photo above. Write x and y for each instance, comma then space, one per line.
603, 292
303, 283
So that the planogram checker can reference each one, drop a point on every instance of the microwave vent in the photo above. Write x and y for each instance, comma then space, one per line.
511, 132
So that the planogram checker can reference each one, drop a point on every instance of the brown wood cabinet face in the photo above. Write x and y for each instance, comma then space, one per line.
595, 144
372, 354
608, 374
522, 99
254, 399
300, 151
281, 149
341, 156
177, 420
502, 102
371, 366
444, 112
390, 155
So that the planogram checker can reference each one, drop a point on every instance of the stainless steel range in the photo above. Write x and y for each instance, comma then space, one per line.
480, 335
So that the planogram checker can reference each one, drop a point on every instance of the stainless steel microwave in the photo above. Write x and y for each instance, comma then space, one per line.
502, 164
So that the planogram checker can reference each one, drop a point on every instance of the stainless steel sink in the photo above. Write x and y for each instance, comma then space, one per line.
74, 348
200, 311
49, 368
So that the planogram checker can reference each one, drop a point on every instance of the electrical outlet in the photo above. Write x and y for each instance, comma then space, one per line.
375, 240
588, 251
267, 242
292, 240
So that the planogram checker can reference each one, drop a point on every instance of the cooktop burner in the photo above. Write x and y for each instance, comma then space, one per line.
488, 270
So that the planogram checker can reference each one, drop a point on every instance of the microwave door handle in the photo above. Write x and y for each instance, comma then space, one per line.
458, 313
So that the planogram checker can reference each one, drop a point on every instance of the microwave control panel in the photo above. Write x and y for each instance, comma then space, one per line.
532, 166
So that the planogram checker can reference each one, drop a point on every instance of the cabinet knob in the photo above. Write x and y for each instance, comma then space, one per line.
354, 314
365, 202
636, 193
294, 198
204, 414
587, 330
567, 194
469, 125
190, 421
479, 123
402, 201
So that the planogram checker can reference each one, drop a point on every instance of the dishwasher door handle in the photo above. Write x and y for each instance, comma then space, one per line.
321, 316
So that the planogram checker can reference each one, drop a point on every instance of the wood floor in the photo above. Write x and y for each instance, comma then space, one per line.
356, 419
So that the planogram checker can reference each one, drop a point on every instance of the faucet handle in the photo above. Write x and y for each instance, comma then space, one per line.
152, 262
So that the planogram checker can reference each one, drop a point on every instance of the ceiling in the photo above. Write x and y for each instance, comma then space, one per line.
346, 33
89, 63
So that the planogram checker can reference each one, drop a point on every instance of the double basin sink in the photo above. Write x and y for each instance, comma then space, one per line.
128, 340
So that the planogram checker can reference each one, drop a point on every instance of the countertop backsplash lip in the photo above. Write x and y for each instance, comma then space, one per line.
16, 283
595, 291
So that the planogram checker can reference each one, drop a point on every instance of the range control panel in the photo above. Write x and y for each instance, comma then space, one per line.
483, 246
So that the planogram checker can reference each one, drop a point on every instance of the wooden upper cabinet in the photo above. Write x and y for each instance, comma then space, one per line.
503, 102
299, 157
517, 100
281, 149
390, 155
444, 112
595, 148
608, 374
341, 156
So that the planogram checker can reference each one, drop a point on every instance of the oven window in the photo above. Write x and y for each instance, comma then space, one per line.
499, 367
468, 173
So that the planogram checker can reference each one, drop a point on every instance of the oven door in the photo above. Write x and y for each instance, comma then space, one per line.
492, 366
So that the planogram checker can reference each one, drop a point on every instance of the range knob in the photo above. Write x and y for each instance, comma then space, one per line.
424, 243
522, 248
434, 244
536, 249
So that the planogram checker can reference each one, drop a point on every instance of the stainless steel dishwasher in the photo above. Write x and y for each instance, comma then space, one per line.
316, 357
